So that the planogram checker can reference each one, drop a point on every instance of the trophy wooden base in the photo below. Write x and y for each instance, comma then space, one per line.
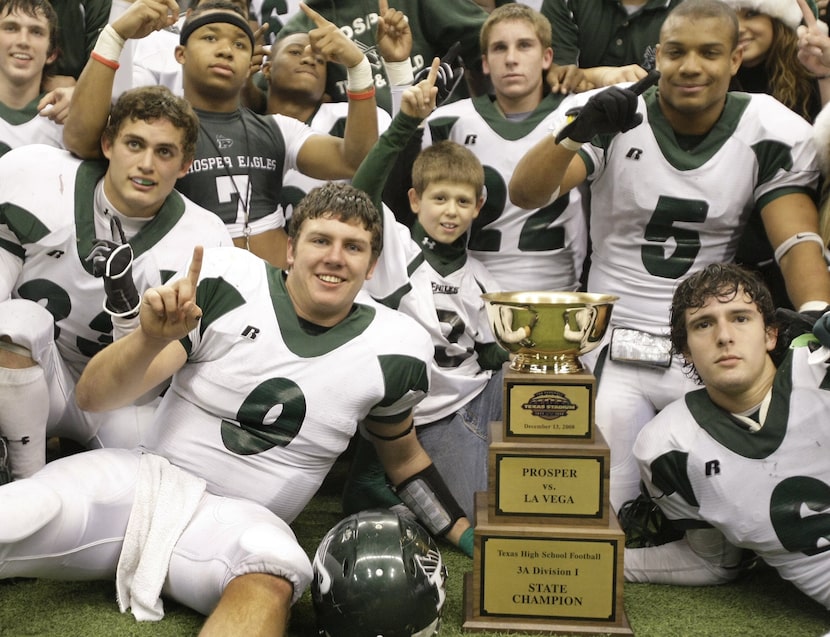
548, 406
545, 481
545, 578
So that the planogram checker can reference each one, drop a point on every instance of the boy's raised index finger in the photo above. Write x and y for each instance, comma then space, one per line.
315, 17
383, 7
433, 71
195, 266
807, 13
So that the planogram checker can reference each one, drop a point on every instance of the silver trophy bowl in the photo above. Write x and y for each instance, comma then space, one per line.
548, 331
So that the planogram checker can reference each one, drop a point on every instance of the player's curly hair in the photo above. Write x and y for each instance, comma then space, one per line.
342, 202
723, 281
32, 8
149, 103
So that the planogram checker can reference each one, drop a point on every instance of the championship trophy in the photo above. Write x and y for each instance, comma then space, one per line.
548, 554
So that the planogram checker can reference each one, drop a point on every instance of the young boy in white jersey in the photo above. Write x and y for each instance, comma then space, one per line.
77, 242
28, 39
538, 248
675, 175
272, 374
427, 273
241, 157
742, 462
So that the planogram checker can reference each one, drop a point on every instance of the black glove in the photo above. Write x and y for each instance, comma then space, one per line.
613, 110
449, 76
792, 324
821, 329
114, 262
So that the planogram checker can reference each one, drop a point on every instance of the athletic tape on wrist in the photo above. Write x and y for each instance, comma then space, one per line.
109, 45
359, 77
399, 73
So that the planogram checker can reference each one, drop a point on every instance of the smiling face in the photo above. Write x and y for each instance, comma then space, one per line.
516, 61
146, 159
328, 262
24, 50
729, 343
697, 58
295, 69
754, 37
445, 209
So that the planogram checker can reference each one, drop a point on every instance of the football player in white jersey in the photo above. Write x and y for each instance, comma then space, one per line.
241, 156
273, 371
741, 463
543, 247
28, 42
427, 274
671, 195
63, 224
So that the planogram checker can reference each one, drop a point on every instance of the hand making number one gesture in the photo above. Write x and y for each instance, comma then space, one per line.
169, 312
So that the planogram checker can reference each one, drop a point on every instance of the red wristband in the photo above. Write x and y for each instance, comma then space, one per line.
100, 58
369, 93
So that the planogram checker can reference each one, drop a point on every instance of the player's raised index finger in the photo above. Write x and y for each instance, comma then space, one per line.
433, 71
807, 12
315, 17
383, 7
195, 266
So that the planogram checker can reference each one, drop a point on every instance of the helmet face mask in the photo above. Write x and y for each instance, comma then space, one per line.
378, 575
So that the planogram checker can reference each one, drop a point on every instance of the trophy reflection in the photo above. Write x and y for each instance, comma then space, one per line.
548, 331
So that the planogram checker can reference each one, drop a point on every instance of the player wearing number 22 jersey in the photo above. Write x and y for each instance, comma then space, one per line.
523, 249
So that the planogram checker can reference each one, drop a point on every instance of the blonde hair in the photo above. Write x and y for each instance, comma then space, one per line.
520, 12
447, 161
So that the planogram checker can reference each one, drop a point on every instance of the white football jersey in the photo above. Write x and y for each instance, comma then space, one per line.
47, 223
444, 295
523, 249
26, 126
660, 213
262, 409
767, 491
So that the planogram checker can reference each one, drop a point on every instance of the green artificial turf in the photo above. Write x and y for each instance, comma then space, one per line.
760, 605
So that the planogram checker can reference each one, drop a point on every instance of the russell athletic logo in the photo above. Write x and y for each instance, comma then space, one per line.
549, 405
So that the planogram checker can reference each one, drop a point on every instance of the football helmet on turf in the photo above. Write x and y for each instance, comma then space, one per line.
378, 575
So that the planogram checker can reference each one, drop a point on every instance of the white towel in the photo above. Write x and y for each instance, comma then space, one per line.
166, 498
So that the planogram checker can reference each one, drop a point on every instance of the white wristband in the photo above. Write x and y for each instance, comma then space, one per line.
567, 143
109, 44
359, 77
399, 73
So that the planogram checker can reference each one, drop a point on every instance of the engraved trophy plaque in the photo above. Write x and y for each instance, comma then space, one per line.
548, 554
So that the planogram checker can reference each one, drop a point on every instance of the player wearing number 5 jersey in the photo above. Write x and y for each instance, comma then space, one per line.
741, 464
60, 220
524, 249
675, 175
